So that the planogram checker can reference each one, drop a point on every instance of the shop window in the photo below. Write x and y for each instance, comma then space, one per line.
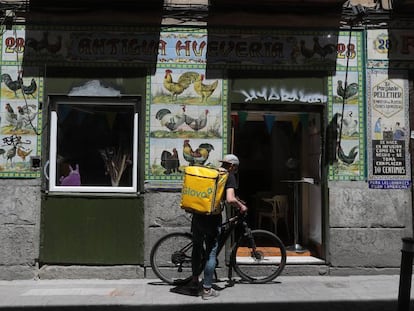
93, 144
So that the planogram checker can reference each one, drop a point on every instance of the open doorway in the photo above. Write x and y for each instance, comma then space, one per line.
280, 149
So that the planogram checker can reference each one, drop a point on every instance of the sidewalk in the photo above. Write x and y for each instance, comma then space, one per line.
291, 293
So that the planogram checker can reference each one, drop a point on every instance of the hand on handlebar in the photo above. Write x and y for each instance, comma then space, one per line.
240, 200
242, 207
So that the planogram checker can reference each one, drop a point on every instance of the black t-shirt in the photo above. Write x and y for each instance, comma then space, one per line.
231, 181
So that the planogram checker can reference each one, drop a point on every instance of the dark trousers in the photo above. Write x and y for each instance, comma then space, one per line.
205, 229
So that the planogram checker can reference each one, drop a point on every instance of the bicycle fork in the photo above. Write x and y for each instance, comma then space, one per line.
252, 245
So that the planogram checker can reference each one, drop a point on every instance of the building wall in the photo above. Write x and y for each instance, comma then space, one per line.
19, 228
366, 227
363, 230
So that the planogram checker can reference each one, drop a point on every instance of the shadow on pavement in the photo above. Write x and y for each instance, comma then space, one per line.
226, 306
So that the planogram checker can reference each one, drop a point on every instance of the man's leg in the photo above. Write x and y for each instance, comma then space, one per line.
211, 251
197, 251
208, 291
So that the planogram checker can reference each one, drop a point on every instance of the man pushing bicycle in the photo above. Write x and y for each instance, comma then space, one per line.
206, 229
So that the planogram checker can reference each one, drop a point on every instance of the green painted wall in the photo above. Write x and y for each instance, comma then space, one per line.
92, 229
81, 230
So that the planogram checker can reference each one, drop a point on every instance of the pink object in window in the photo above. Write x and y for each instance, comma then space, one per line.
73, 179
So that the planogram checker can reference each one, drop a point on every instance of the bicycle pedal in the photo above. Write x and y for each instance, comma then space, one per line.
230, 283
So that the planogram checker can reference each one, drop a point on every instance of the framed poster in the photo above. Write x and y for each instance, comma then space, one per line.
346, 110
186, 120
388, 154
21, 90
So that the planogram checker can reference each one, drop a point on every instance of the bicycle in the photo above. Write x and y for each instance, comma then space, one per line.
258, 256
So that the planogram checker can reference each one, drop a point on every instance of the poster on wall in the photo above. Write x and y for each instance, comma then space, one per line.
278, 49
185, 112
396, 46
347, 114
346, 111
388, 98
20, 114
378, 43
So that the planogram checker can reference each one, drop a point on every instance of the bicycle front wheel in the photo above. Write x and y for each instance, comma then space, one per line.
259, 258
171, 258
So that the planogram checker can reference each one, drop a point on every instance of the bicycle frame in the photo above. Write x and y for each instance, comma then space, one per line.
227, 228
260, 252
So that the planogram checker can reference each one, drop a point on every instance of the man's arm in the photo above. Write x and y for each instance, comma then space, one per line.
234, 201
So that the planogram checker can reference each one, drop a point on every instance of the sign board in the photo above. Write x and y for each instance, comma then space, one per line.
388, 154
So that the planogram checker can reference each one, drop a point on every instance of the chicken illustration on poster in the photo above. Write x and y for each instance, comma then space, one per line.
185, 121
185, 108
185, 86
19, 122
347, 120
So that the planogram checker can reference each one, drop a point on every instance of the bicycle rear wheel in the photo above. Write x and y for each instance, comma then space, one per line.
171, 258
260, 259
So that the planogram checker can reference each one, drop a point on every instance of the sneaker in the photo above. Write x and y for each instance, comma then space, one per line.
209, 294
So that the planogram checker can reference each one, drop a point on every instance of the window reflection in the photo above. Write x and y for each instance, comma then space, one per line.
94, 145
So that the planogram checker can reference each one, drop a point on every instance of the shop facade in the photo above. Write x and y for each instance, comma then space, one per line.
98, 124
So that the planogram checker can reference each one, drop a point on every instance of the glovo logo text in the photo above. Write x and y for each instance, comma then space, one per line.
196, 193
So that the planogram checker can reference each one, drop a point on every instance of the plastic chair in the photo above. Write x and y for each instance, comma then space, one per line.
279, 210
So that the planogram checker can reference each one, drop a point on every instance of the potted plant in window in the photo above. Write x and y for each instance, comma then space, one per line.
116, 161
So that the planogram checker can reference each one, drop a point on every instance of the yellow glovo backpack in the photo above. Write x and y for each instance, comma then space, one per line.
203, 189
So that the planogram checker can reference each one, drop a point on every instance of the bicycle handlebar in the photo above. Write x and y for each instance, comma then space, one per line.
238, 215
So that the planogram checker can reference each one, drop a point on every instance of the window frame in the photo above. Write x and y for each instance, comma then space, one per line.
54, 101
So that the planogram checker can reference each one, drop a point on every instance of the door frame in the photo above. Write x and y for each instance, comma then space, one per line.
318, 109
